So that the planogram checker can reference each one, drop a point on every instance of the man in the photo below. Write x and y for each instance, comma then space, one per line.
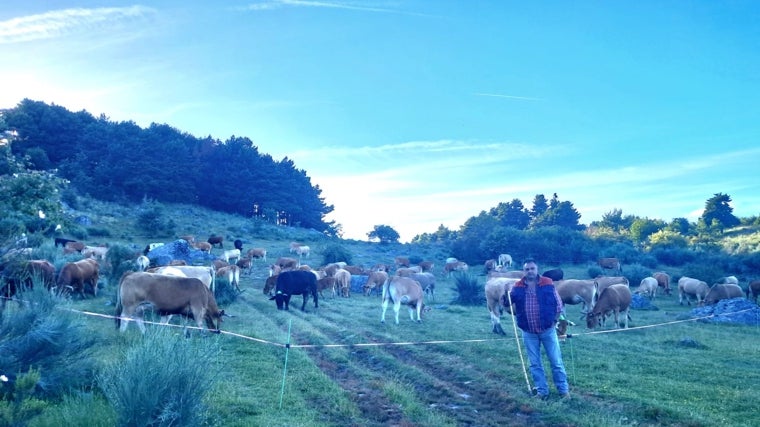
537, 308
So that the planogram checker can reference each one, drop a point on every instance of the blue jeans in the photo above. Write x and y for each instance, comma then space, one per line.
551, 345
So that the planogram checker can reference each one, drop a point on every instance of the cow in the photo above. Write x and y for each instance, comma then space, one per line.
60, 241
231, 254
142, 263
511, 274
426, 266
490, 265
376, 279
214, 240
689, 287
427, 281
555, 274
326, 283
451, 267
257, 253
203, 246
294, 246
505, 260
232, 274
728, 279
73, 246
98, 252
407, 271
303, 251
721, 291
269, 284
17, 275
648, 287
616, 299
42, 270
603, 282
286, 263
610, 264
296, 282
753, 290
663, 281
168, 295
207, 275
76, 274
238, 244
188, 238
245, 264
401, 261
576, 291
495, 290
403, 290
343, 282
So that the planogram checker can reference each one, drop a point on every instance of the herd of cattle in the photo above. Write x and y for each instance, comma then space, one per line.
178, 289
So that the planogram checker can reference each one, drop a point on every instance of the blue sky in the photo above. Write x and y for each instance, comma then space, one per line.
419, 113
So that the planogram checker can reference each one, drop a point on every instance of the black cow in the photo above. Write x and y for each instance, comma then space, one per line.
60, 241
296, 282
238, 245
554, 274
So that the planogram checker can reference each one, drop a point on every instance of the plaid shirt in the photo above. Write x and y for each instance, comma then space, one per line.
532, 309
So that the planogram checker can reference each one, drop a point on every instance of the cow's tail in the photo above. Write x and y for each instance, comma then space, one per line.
213, 280
119, 306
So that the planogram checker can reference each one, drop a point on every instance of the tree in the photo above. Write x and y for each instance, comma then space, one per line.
540, 205
512, 214
384, 233
718, 208
645, 227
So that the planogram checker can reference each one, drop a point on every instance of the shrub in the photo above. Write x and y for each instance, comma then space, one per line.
595, 271
625, 252
224, 292
152, 222
161, 380
99, 232
468, 290
415, 259
121, 260
673, 256
636, 272
78, 232
707, 272
335, 253
40, 336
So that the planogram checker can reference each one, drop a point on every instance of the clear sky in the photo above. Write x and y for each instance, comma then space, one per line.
419, 113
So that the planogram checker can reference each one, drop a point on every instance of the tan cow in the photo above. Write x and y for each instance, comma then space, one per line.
495, 290
721, 291
343, 282
663, 281
257, 253
401, 261
403, 290
603, 282
689, 287
232, 274
427, 266
615, 299
326, 283
648, 287
576, 291
451, 267
168, 295
207, 275
505, 260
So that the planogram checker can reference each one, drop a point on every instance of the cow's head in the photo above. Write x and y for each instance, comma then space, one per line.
593, 320
281, 299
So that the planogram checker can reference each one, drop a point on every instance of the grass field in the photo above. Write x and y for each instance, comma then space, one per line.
345, 368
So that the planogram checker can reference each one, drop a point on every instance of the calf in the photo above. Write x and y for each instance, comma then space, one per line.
231, 254
232, 274
403, 290
326, 283
376, 279
496, 288
663, 281
216, 240
401, 261
296, 282
753, 290
615, 299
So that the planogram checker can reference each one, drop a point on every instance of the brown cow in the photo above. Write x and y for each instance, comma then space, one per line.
287, 263
426, 266
245, 264
721, 291
216, 240
451, 267
203, 246
689, 287
169, 295
72, 247
257, 253
753, 290
615, 299
401, 261
610, 264
375, 280
232, 274
76, 274
270, 284
663, 281
603, 282
326, 283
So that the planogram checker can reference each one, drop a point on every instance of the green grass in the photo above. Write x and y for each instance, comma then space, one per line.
465, 375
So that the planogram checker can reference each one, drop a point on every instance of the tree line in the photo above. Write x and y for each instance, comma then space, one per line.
122, 162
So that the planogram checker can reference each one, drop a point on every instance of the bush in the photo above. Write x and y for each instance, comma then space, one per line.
79, 233
595, 271
121, 259
625, 252
704, 271
468, 290
673, 256
152, 222
40, 336
161, 380
99, 232
336, 253
635, 272
224, 292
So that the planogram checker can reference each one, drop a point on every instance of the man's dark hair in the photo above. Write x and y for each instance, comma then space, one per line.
529, 260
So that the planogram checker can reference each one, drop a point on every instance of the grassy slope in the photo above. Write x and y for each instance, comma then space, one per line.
636, 377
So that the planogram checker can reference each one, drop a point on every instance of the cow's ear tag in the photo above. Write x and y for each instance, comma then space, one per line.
279, 292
